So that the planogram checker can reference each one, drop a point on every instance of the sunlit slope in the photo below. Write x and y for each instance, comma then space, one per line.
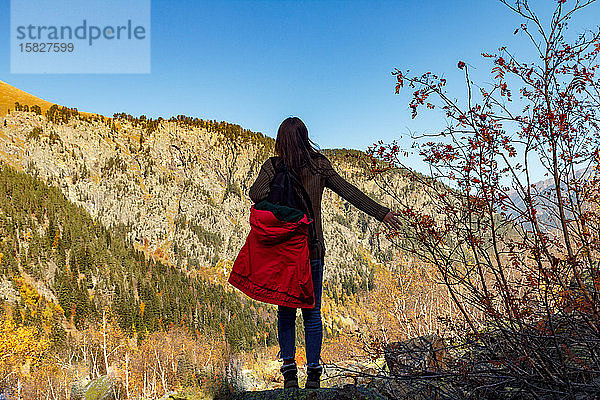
10, 94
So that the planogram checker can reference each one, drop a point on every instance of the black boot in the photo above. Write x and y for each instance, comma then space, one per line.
290, 375
313, 377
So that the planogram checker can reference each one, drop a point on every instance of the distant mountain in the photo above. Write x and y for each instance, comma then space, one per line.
544, 197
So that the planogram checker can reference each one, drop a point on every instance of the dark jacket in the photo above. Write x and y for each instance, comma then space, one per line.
314, 182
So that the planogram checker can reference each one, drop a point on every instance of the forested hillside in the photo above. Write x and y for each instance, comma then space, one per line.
61, 269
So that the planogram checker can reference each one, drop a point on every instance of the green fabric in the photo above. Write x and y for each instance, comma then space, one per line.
282, 213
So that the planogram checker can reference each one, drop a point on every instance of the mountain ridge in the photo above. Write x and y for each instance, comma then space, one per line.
190, 160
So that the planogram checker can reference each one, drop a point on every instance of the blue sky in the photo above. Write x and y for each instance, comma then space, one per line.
257, 62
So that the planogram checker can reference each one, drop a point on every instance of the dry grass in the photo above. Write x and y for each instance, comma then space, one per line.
10, 94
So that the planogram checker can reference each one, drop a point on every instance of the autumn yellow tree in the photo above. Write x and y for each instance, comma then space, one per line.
20, 348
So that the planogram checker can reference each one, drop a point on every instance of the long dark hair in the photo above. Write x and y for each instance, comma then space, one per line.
293, 145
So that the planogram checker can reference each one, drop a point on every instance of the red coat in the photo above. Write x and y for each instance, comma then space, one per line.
273, 266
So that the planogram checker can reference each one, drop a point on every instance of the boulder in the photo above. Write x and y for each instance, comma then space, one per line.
173, 396
416, 355
102, 388
79, 387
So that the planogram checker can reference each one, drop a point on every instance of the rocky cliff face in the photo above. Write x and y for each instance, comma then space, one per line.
180, 190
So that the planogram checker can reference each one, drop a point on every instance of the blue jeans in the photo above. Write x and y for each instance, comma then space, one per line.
313, 326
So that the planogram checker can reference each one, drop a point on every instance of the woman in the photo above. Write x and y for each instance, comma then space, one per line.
297, 151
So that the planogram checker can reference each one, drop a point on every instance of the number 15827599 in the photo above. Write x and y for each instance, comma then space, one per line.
46, 47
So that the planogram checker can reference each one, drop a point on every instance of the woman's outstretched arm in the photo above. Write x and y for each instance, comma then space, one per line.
261, 186
357, 198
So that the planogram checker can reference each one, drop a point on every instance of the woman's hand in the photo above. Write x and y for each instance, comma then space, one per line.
391, 221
